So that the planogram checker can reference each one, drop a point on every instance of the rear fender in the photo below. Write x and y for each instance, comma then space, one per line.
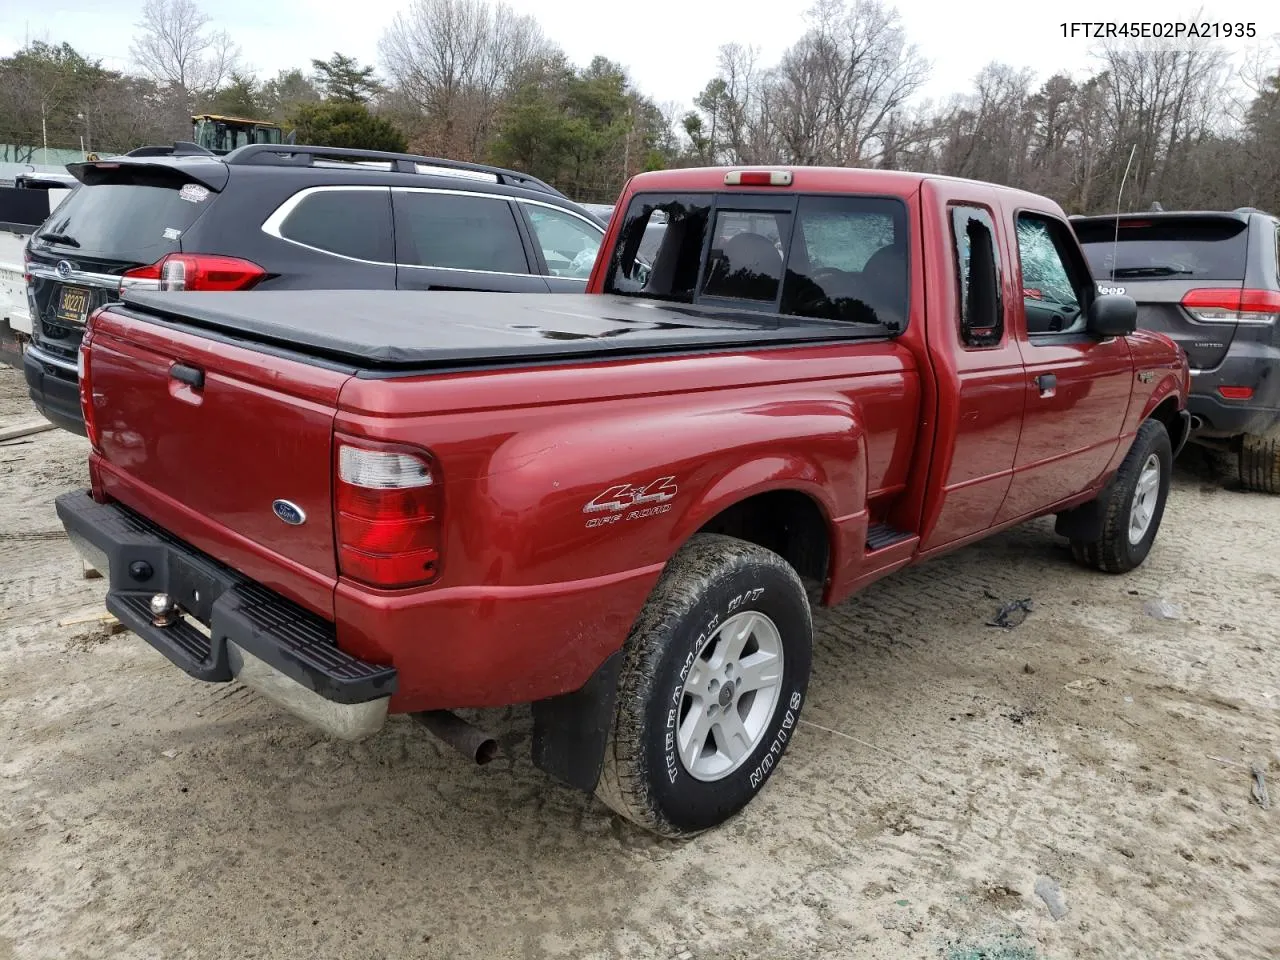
816, 448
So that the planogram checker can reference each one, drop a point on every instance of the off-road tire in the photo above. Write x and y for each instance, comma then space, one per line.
1113, 553
1260, 462
712, 577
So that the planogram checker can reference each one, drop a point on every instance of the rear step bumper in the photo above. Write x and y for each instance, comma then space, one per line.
252, 634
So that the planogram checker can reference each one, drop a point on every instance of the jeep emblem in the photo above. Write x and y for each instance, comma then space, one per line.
1108, 291
290, 513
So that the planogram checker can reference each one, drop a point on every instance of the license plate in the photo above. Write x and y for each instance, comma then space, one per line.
73, 305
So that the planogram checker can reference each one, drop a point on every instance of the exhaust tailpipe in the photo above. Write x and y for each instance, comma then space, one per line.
472, 742
1196, 422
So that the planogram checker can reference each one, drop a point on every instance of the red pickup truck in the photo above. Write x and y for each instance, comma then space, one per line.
607, 506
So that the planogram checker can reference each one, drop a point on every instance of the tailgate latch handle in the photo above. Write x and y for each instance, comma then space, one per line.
191, 376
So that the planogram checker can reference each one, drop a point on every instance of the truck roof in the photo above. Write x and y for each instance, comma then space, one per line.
896, 183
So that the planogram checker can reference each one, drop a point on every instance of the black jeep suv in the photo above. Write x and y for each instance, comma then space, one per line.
286, 217
1211, 281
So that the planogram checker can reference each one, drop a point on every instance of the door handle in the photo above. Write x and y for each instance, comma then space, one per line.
191, 376
1048, 384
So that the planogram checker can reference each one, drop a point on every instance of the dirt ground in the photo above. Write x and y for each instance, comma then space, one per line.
944, 769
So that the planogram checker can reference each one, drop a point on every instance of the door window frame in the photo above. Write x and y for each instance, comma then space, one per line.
517, 221
536, 245
273, 225
1001, 328
1074, 263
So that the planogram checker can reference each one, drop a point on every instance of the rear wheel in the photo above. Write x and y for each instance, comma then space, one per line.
1134, 505
1260, 462
714, 675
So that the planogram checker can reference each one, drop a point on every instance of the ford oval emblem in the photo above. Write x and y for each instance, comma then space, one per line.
64, 268
290, 513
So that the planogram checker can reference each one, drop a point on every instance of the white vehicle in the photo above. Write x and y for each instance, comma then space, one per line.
32, 198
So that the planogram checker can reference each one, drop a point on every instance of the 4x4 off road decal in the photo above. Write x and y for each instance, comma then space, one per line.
627, 501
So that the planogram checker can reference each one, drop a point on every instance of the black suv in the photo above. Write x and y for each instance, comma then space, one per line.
292, 217
1211, 281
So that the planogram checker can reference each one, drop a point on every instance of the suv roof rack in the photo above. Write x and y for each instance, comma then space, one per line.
284, 154
180, 148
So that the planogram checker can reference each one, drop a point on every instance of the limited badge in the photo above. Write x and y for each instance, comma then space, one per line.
193, 193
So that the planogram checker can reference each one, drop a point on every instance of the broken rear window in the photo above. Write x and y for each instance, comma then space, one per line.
841, 258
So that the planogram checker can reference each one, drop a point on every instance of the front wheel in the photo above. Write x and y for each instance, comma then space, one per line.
714, 675
1133, 505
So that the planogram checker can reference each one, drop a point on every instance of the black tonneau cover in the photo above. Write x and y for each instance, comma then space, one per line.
408, 329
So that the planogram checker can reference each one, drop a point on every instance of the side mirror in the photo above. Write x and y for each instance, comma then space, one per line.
1112, 315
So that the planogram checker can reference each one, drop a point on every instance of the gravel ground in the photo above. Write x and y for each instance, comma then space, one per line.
945, 769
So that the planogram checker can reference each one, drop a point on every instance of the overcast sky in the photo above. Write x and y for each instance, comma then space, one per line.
669, 46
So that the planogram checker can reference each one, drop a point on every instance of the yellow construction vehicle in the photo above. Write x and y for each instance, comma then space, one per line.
219, 134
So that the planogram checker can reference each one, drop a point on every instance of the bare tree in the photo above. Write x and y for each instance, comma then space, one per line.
455, 61
1163, 98
835, 90
177, 49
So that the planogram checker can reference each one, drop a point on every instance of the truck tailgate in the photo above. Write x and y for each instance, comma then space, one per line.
207, 438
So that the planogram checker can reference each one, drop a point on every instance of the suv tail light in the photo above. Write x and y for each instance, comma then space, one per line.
1232, 305
84, 374
387, 513
194, 271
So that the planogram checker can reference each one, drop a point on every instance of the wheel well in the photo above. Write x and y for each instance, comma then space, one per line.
787, 522
1167, 413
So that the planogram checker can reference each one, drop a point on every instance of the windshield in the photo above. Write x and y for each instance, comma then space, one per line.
1198, 248
225, 137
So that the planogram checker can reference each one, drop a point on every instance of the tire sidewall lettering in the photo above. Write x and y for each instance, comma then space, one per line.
756, 770
780, 739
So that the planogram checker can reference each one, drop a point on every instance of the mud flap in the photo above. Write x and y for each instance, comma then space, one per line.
570, 731
1084, 522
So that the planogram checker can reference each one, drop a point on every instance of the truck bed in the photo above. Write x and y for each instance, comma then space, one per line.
383, 331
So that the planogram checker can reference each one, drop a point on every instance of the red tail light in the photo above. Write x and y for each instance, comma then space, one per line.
758, 178
387, 513
194, 271
1232, 305
84, 374
1236, 393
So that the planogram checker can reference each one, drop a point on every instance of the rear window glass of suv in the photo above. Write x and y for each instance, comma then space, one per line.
350, 223
1190, 248
127, 222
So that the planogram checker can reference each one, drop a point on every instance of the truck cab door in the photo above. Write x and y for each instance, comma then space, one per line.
976, 360
1077, 385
